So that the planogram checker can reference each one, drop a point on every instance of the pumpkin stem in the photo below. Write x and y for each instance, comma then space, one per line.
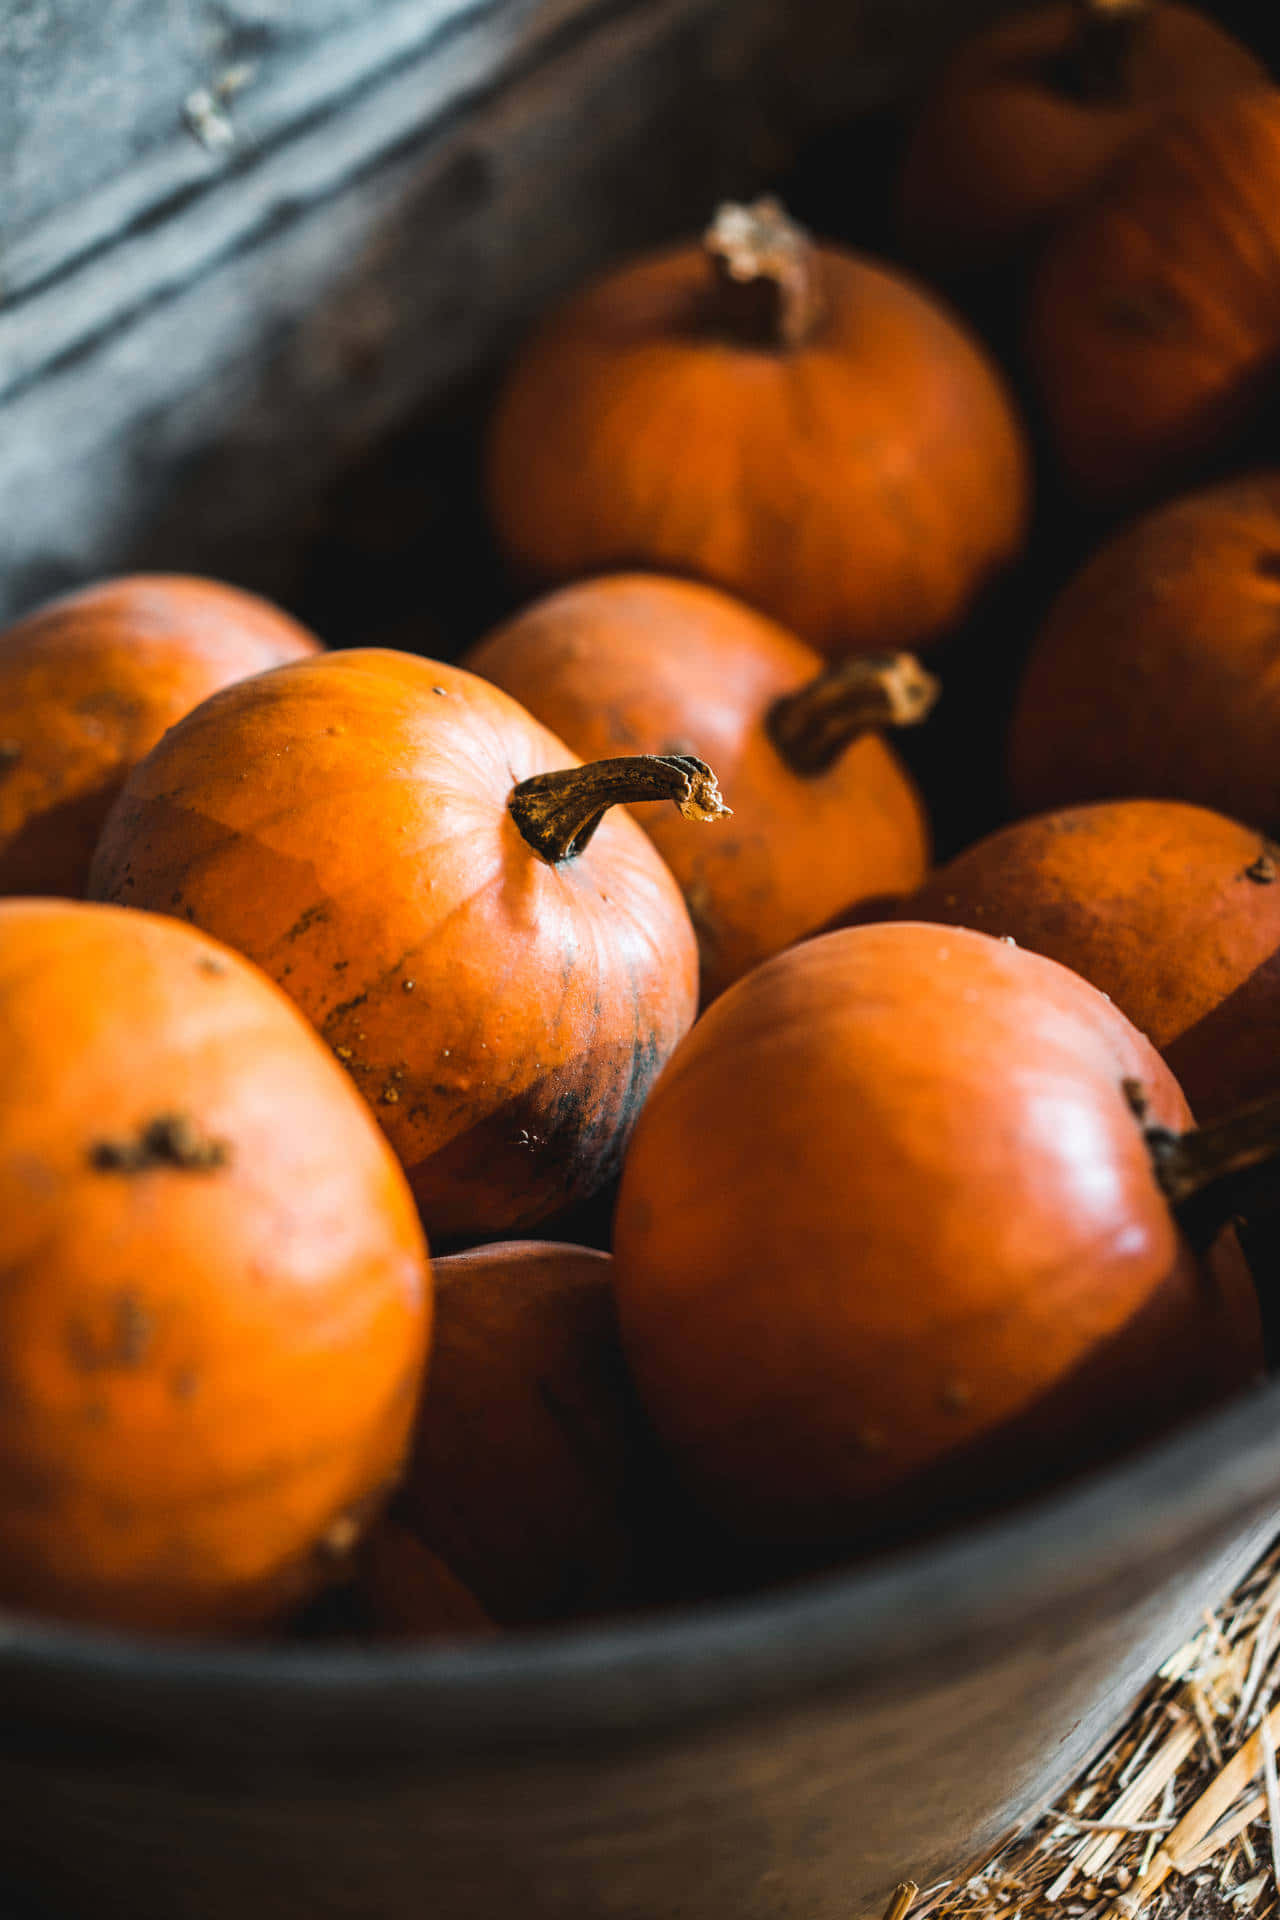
812, 726
1211, 1173
558, 812
1096, 64
766, 272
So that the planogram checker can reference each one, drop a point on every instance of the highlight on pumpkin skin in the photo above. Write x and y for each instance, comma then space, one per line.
775, 415
346, 823
824, 810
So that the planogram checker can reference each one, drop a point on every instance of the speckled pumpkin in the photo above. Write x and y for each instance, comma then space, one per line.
504, 1000
89, 683
214, 1291
891, 1243
823, 810
795, 423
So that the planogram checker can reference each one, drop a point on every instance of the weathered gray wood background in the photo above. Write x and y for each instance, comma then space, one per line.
243, 241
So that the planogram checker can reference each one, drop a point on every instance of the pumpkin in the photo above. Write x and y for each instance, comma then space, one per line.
89, 683
892, 1240
411, 1594
824, 812
522, 1470
1154, 671
786, 420
1028, 114
1155, 313
214, 1290
416, 861
1172, 911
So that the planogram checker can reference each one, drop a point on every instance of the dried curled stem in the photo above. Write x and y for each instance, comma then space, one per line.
768, 284
812, 726
558, 812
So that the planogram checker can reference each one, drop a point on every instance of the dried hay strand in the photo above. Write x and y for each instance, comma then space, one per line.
1179, 1815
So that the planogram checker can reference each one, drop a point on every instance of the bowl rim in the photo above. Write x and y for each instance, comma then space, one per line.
945, 1602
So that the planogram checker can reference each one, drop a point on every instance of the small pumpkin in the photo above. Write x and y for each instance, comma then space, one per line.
1028, 114
417, 862
892, 1242
214, 1290
786, 420
89, 682
1153, 674
824, 812
521, 1475
1170, 910
1155, 313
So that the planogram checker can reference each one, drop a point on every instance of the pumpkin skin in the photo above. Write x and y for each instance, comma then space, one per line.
1013, 135
1155, 314
860, 486
889, 1242
344, 822
1154, 671
411, 1593
1172, 911
215, 1300
519, 1478
89, 683
634, 663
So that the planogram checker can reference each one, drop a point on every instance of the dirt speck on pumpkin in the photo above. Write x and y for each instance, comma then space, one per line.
171, 1140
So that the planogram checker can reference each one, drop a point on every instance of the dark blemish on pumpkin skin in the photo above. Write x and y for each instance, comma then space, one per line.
170, 1140
10, 754
126, 1345
1267, 566
1262, 871
207, 962
1136, 1097
1152, 313
348, 1006
314, 916
956, 1396
183, 1385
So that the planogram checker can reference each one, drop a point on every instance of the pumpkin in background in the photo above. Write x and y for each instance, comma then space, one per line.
214, 1290
1172, 911
823, 810
89, 683
1155, 313
785, 420
891, 1241
1028, 114
409, 1591
1154, 673
520, 1479
416, 861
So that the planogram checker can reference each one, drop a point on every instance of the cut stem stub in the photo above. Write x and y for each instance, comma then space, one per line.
1212, 1173
767, 272
558, 812
812, 726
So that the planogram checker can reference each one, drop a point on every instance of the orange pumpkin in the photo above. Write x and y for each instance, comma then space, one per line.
791, 422
1172, 911
1154, 672
214, 1291
1155, 313
89, 683
521, 1474
823, 810
416, 861
891, 1241
1028, 114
